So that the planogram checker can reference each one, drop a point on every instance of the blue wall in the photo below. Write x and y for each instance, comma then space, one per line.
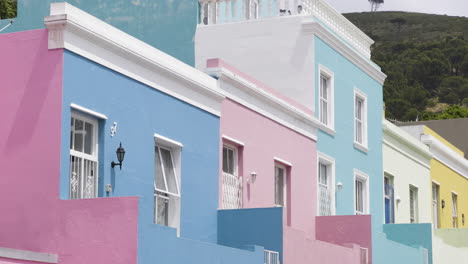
340, 146
411, 235
140, 112
165, 24
256, 226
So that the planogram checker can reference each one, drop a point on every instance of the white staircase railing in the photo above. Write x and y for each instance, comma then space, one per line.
226, 11
232, 191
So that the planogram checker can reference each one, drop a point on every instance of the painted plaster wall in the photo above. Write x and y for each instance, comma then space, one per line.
444, 252
407, 167
274, 50
411, 235
345, 230
264, 140
141, 111
165, 24
450, 181
33, 217
340, 146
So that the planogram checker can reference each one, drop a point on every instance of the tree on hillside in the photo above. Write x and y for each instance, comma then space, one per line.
375, 4
399, 21
8, 9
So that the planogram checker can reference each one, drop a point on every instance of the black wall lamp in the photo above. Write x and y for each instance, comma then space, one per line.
443, 204
120, 156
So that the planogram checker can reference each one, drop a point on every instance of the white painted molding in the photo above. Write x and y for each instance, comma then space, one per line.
282, 161
88, 111
167, 141
406, 139
310, 26
248, 94
77, 31
235, 141
28, 255
446, 155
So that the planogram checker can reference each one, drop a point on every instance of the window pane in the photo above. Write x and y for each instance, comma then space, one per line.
225, 160
358, 131
169, 171
162, 209
359, 197
88, 143
159, 177
79, 131
279, 186
71, 132
324, 87
324, 112
323, 177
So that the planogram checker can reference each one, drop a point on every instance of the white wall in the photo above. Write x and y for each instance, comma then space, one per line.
443, 252
274, 51
405, 161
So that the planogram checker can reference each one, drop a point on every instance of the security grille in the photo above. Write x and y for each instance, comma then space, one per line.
324, 200
271, 257
232, 191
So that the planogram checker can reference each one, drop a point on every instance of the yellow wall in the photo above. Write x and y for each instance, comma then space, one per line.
450, 181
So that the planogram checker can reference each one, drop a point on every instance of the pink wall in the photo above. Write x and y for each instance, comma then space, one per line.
33, 218
265, 139
345, 229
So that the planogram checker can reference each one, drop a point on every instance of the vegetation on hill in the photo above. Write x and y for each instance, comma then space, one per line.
425, 58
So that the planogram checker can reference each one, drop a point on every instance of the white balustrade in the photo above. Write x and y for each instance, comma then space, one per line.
232, 191
260, 9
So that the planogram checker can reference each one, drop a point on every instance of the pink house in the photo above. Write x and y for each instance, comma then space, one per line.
269, 160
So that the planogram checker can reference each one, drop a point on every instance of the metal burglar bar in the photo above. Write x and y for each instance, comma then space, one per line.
83, 178
325, 200
232, 191
271, 257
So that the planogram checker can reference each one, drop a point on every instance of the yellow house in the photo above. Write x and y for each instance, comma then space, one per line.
449, 175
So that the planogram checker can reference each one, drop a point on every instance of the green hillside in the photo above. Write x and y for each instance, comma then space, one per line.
426, 60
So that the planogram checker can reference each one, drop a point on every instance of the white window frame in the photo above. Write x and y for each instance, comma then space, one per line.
363, 146
454, 210
174, 199
94, 157
285, 184
414, 205
330, 163
328, 127
363, 177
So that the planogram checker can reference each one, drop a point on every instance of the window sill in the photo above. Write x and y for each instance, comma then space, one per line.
361, 147
327, 129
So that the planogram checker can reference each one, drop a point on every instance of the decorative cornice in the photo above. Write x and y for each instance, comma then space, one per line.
250, 95
406, 139
75, 30
310, 26
446, 155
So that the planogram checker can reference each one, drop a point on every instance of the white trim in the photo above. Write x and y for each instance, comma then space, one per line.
328, 161
250, 95
285, 184
330, 127
282, 161
28, 255
364, 121
75, 30
88, 111
230, 139
310, 26
454, 192
164, 141
446, 155
436, 182
362, 176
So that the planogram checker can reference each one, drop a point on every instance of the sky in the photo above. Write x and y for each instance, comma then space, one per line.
441, 7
